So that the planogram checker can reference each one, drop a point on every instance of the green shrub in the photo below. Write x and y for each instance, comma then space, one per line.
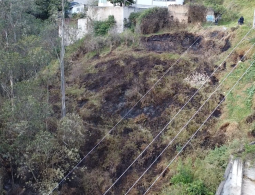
220, 10
132, 20
152, 20
197, 188
218, 156
214, 2
101, 28
183, 176
249, 149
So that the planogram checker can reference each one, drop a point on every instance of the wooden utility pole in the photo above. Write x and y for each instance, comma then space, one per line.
1, 180
254, 20
62, 62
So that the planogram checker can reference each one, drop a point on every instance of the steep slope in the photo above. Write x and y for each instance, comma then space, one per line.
103, 88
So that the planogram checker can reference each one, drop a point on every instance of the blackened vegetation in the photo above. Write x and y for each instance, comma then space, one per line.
226, 46
250, 118
181, 41
169, 42
114, 87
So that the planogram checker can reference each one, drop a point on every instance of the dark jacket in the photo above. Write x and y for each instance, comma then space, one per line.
241, 20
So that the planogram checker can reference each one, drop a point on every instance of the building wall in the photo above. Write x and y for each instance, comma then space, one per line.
159, 3
147, 3
179, 12
210, 16
167, 3
78, 9
103, 3
119, 13
87, 2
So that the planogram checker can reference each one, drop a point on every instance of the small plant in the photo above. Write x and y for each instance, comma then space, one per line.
249, 149
183, 176
101, 28
197, 188
132, 21
250, 92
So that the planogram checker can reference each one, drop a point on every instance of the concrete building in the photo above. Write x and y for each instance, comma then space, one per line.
146, 3
119, 13
157, 3
76, 8
87, 2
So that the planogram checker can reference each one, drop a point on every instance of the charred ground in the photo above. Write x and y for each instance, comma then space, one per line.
106, 87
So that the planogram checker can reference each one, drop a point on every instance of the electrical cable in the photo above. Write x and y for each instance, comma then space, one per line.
187, 122
125, 115
199, 127
172, 119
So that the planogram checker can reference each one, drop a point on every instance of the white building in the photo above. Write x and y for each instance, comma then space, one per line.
77, 8
87, 2
146, 3
157, 3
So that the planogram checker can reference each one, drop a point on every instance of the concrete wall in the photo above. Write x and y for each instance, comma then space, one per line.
179, 12
103, 3
78, 9
74, 33
210, 16
146, 3
119, 13
159, 3
87, 2
167, 3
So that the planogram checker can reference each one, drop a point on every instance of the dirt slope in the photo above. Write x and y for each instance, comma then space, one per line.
102, 89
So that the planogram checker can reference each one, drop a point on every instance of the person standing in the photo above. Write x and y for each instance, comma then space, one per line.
241, 20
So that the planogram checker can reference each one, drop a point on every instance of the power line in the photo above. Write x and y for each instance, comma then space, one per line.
125, 115
181, 130
199, 128
173, 117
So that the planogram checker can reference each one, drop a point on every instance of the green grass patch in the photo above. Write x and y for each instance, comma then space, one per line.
74, 91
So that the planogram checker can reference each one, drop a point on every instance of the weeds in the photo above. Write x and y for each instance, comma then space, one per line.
101, 28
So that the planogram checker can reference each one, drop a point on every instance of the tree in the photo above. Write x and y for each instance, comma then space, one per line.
122, 2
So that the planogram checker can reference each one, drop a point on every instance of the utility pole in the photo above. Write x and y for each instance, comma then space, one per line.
63, 110
254, 20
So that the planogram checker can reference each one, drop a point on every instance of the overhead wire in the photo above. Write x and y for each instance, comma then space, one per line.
164, 128
199, 128
109, 132
188, 122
